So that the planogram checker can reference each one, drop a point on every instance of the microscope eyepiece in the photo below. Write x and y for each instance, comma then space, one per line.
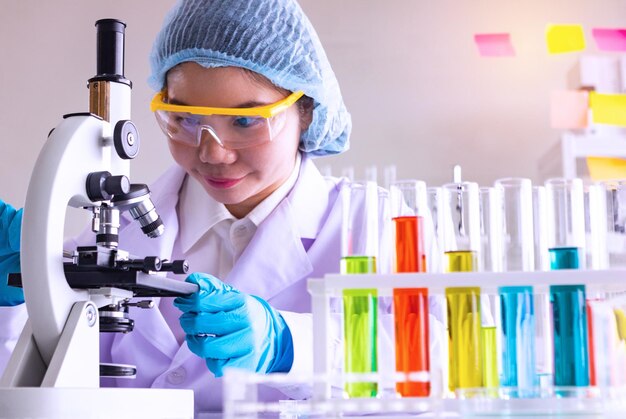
138, 203
110, 59
110, 51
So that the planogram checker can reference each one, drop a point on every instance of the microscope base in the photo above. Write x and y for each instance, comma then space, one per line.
62, 403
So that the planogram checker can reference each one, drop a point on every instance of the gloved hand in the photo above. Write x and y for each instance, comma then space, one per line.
232, 329
10, 228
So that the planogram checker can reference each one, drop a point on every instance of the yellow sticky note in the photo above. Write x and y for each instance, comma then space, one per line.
569, 109
608, 109
606, 168
565, 38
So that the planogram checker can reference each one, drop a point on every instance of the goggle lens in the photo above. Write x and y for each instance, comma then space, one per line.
231, 132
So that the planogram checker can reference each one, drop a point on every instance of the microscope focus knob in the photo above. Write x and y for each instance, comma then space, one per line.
102, 186
126, 139
180, 267
176, 266
152, 263
117, 185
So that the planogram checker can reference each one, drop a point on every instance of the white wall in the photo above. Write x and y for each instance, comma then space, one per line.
419, 94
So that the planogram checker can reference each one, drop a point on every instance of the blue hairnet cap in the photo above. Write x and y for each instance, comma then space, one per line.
271, 37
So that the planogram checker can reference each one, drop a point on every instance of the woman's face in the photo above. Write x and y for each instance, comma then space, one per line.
241, 178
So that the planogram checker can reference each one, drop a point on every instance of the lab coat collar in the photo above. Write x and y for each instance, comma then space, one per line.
276, 257
309, 200
198, 213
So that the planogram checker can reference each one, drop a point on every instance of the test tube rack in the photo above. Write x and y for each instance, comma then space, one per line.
241, 397
326, 402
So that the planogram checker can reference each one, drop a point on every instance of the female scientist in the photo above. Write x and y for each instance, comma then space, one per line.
246, 97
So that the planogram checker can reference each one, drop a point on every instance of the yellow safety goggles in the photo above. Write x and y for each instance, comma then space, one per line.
231, 128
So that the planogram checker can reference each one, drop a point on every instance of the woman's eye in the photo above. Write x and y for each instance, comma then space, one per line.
247, 121
186, 120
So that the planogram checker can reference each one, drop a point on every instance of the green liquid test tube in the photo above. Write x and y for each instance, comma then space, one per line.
358, 265
360, 327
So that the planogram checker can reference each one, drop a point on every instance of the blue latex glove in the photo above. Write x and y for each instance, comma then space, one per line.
232, 329
10, 228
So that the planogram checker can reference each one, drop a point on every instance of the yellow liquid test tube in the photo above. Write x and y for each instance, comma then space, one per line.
464, 325
460, 261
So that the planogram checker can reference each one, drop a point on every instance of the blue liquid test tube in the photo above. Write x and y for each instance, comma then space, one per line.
571, 355
566, 240
518, 338
517, 315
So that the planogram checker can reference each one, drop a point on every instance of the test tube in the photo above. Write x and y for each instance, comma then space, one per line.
490, 261
359, 252
437, 301
540, 228
566, 226
371, 174
566, 242
619, 310
597, 257
408, 206
596, 226
490, 214
461, 244
435, 202
610, 368
461, 227
516, 302
348, 173
389, 175
543, 310
616, 220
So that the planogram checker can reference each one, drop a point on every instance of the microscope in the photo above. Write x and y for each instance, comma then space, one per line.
74, 295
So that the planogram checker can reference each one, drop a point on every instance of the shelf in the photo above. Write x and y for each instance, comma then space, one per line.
607, 142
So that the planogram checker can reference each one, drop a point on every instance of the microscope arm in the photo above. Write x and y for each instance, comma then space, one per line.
78, 146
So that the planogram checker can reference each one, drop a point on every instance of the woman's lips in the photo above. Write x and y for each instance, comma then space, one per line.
221, 183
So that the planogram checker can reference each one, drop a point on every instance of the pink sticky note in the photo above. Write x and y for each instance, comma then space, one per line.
569, 109
494, 45
610, 39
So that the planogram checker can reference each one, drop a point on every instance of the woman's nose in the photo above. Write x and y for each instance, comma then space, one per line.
211, 150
